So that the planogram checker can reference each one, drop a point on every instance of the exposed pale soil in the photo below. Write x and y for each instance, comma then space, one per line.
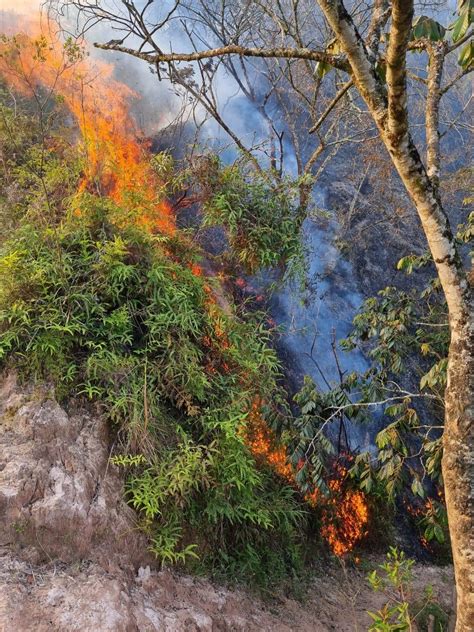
72, 560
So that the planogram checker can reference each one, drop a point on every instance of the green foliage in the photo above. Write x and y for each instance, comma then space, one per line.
310, 448
261, 219
466, 56
216, 485
465, 233
392, 329
394, 578
39, 175
128, 460
430, 616
464, 20
104, 310
460, 28
406, 331
403, 331
434, 522
424, 26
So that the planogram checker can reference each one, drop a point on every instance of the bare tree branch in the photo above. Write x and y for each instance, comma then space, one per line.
337, 61
402, 18
331, 106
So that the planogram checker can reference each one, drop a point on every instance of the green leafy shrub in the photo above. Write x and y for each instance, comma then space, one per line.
108, 312
401, 611
39, 173
105, 313
261, 218
406, 332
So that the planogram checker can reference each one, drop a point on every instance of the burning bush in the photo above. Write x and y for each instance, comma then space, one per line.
344, 511
345, 515
110, 311
115, 159
101, 296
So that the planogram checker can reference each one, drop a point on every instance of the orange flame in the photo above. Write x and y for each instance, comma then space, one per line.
264, 446
345, 512
117, 163
118, 166
346, 515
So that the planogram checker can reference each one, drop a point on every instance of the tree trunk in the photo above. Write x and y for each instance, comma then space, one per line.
458, 465
458, 444
389, 111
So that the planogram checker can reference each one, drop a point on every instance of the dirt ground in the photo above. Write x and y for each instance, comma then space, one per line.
84, 597
71, 558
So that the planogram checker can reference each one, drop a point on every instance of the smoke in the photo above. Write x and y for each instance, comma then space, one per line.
154, 106
19, 7
314, 321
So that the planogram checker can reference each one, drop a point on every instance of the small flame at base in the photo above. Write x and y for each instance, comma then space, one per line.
345, 513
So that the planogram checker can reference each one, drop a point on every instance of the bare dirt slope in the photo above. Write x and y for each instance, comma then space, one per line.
84, 597
71, 558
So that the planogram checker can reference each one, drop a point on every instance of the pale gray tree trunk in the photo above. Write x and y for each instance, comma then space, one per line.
458, 437
458, 464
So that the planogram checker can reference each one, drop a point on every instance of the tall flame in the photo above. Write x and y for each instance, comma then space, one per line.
117, 160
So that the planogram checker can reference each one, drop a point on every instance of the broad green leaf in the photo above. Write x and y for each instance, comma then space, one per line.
417, 488
465, 19
438, 533
466, 57
424, 26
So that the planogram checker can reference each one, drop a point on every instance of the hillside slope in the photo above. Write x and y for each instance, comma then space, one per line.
71, 559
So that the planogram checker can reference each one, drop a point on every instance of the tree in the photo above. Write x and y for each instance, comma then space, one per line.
375, 62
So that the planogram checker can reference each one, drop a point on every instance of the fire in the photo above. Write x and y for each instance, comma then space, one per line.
196, 269
345, 513
264, 446
347, 528
345, 518
118, 166
117, 162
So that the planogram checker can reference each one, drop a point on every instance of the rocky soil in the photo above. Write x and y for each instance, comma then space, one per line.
71, 558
